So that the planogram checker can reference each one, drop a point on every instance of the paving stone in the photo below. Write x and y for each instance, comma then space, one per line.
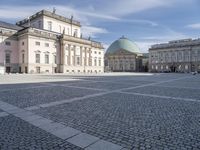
23, 114
40, 122
53, 126
103, 145
3, 114
32, 108
16, 134
83, 140
65, 133
130, 121
37, 96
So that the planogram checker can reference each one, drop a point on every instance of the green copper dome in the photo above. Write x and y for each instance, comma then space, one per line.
123, 44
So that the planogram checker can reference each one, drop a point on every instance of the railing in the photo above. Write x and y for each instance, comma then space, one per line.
7, 32
50, 14
182, 43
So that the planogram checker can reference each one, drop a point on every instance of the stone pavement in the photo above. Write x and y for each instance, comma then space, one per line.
106, 112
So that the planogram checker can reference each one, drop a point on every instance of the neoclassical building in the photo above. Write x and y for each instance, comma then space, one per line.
175, 56
123, 55
48, 43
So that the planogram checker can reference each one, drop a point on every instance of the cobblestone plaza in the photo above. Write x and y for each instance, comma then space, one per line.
118, 111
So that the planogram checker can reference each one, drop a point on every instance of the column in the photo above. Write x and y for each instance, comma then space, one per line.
85, 61
69, 54
74, 61
63, 54
81, 55
90, 59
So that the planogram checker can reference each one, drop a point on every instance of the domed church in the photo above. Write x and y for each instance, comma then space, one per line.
123, 55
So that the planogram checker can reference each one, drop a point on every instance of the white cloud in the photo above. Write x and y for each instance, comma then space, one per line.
18, 13
194, 26
144, 46
127, 7
146, 42
92, 31
140, 21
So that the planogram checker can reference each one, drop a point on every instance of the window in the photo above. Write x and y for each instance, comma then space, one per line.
46, 59
37, 43
99, 53
99, 62
8, 43
95, 62
95, 52
39, 24
49, 25
78, 60
75, 33
37, 69
23, 43
23, 58
37, 58
46, 44
7, 58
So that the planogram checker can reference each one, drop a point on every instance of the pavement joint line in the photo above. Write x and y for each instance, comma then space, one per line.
178, 87
52, 127
78, 87
159, 96
45, 105
3, 114
120, 80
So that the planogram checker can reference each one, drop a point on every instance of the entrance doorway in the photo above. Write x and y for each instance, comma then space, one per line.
26, 69
8, 69
173, 68
37, 69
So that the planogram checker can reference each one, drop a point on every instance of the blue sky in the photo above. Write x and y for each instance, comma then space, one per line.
146, 22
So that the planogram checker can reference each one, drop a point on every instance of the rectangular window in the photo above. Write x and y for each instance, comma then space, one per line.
37, 69
49, 25
22, 58
39, 24
37, 43
37, 58
99, 62
46, 59
7, 58
8, 43
22, 43
75, 33
78, 60
46, 44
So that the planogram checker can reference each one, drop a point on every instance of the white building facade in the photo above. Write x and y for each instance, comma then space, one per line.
175, 56
48, 43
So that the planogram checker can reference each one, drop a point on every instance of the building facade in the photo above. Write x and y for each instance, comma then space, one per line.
48, 43
175, 56
123, 55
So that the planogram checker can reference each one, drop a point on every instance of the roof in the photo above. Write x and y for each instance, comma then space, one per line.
49, 14
123, 44
9, 26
